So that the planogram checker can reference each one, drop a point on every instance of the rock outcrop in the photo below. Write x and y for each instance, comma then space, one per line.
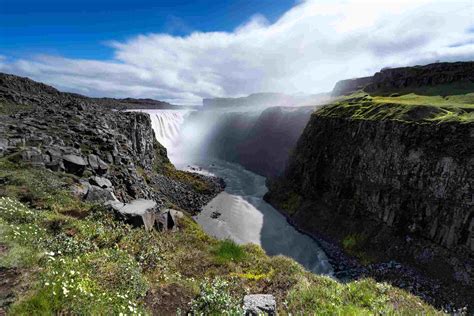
20, 90
395, 79
406, 188
349, 86
114, 154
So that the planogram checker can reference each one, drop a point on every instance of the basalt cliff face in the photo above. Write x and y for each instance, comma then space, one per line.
271, 139
396, 79
401, 190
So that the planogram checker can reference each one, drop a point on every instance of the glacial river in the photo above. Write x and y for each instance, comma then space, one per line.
243, 215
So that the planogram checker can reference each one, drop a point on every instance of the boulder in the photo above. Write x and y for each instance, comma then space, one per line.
74, 164
98, 194
168, 219
258, 304
97, 164
101, 182
55, 160
33, 155
138, 212
3, 146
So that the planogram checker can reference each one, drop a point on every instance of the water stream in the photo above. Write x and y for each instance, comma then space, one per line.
238, 213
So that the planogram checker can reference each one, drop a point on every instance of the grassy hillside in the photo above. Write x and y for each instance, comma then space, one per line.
420, 106
63, 256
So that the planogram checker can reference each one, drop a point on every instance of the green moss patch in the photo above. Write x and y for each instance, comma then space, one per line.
194, 180
408, 108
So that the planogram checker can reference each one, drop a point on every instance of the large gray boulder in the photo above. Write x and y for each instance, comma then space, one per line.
259, 304
101, 182
100, 195
168, 219
34, 156
74, 164
138, 212
97, 164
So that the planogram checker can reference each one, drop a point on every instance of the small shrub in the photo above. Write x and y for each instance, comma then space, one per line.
355, 244
228, 251
352, 241
292, 203
214, 299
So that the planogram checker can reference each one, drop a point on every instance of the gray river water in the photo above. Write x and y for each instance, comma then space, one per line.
244, 216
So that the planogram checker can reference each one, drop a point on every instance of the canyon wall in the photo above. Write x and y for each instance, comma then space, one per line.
407, 188
412, 78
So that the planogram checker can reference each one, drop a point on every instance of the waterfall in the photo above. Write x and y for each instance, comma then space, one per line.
167, 125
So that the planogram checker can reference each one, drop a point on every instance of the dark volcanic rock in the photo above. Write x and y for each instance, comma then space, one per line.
74, 164
406, 188
268, 144
396, 79
116, 151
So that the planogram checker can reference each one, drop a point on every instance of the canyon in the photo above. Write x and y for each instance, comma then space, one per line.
375, 181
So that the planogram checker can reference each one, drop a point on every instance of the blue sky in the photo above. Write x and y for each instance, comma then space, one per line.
184, 51
80, 28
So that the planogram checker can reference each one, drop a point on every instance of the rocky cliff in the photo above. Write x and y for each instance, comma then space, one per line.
405, 190
269, 142
21, 90
410, 79
75, 134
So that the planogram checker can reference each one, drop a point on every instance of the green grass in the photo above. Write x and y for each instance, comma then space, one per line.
363, 297
79, 259
228, 251
191, 179
409, 107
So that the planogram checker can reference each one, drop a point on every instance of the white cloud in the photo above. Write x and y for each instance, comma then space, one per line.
308, 49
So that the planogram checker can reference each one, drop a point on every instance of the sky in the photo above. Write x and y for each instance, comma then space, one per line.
183, 51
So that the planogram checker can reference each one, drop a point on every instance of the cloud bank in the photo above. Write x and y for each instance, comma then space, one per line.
308, 49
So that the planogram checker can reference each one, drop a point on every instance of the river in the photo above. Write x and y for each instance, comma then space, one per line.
239, 213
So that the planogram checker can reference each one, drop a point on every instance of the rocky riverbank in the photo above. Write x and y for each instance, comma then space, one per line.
348, 268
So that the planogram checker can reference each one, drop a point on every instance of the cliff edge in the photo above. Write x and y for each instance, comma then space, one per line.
391, 178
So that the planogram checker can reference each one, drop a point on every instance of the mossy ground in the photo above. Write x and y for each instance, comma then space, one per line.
194, 180
80, 260
407, 107
7, 108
